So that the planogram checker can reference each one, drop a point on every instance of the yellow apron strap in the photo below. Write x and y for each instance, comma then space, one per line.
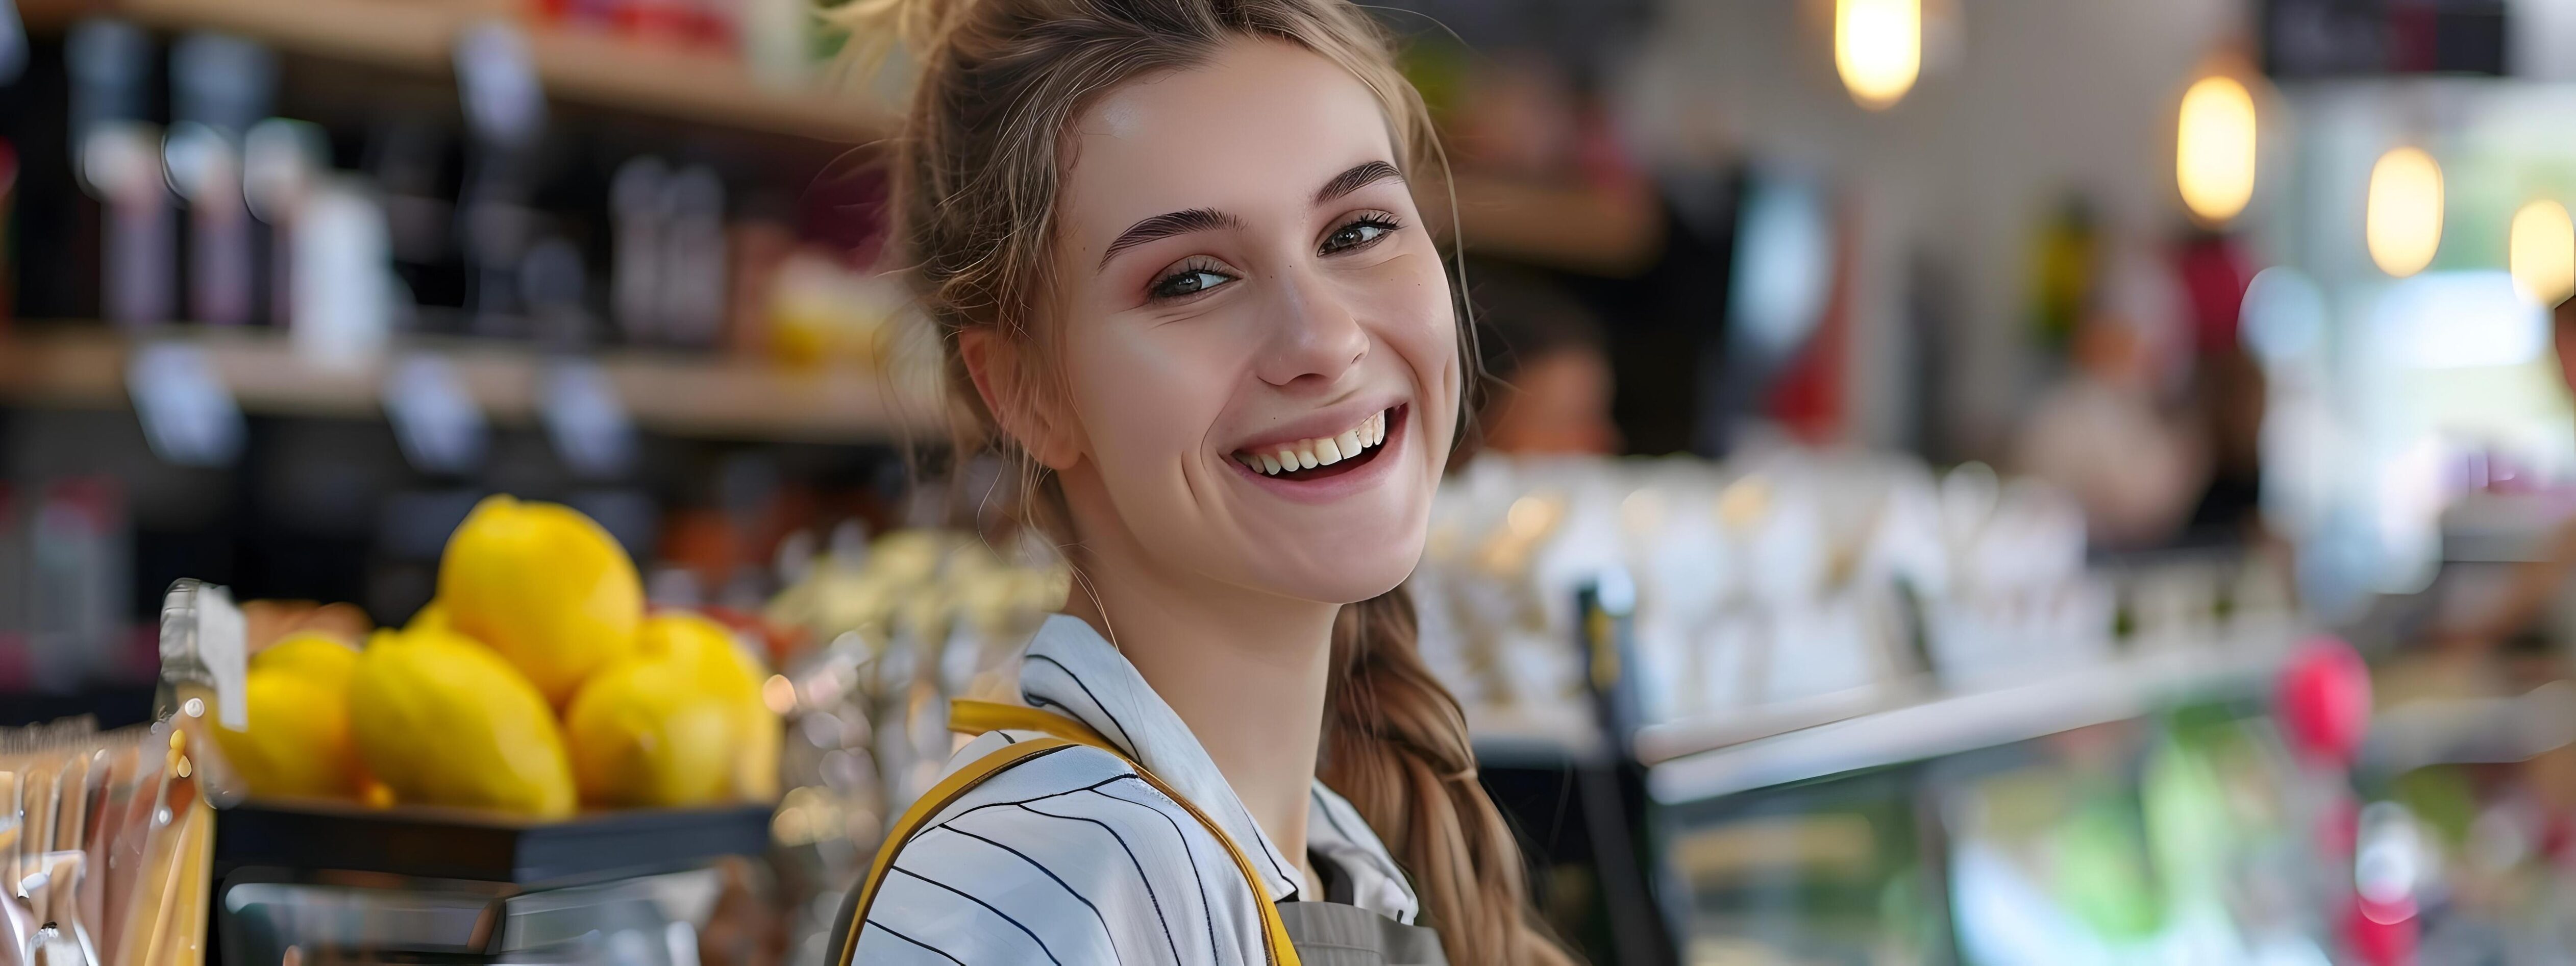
957, 783
978, 717
972, 717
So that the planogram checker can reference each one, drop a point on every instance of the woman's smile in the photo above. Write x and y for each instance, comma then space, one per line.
1329, 468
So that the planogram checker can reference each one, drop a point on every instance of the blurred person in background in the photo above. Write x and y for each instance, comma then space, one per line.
2228, 396
1554, 192
1548, 383
2228, 392
2103, 434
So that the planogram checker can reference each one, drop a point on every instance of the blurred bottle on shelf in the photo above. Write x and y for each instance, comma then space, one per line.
121, 165
343, 295
693, 264
760, 247
117, 157
669, 271
668, 279
205, 166
219, 87
638, 219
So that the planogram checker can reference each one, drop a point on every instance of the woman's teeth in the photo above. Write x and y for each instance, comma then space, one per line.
1306, 454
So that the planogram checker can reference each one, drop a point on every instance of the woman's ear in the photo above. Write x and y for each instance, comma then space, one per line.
1017, 399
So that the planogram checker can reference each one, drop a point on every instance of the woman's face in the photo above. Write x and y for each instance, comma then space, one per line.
1254, 328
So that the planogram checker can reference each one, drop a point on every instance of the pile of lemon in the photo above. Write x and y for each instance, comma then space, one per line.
535, 683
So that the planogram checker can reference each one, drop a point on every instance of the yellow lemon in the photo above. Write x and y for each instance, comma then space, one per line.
695, 640
755, 773
298, 743
734, 674
310, 653
430, 616
680, 723
443, 720
543, 585
647, 732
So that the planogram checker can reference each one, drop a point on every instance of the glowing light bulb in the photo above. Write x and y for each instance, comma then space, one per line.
1878, 48
2541, 249
2214, 149
2403, 221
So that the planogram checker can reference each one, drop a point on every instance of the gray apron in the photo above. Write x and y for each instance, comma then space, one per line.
1336, 933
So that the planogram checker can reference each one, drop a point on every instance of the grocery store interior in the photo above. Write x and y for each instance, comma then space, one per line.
1959, 481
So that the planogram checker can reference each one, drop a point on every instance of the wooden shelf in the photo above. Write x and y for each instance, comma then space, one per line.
418, 35
669, 393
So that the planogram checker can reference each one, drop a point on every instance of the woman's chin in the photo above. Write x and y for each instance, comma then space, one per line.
1343, 571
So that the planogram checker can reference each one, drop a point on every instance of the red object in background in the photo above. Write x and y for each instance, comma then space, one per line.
706, 543
1807, 395
2383, 934
2323, 702
2215, 271
847, 210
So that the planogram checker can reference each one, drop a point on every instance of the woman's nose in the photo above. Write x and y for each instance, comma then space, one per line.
1314, 335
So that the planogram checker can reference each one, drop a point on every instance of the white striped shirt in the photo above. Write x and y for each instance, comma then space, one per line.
1069, 858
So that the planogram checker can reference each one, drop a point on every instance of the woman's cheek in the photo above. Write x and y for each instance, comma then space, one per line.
1150, 394
1411, 295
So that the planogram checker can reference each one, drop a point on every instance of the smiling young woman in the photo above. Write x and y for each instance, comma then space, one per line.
1174, 247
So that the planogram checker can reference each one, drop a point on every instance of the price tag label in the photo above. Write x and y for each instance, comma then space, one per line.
435, 420
189, 416
587, 420
222, 644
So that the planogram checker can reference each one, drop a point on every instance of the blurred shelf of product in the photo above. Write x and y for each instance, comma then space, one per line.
1762, 700
1784, 592
713, 67
672, 392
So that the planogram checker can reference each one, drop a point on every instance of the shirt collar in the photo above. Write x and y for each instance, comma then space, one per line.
1071, 669
1334, 830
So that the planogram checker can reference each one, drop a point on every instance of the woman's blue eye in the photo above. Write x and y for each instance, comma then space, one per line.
1189, 282
1355, 235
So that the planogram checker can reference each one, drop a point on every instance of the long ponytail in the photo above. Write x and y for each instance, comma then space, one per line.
1395, 745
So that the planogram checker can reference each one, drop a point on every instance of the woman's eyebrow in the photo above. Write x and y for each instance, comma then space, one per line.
1167, 225
1359, 176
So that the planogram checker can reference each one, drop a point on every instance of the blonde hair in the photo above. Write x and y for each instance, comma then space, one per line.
977, 168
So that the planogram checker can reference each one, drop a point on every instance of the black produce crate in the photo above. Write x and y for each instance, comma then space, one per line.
437, 843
